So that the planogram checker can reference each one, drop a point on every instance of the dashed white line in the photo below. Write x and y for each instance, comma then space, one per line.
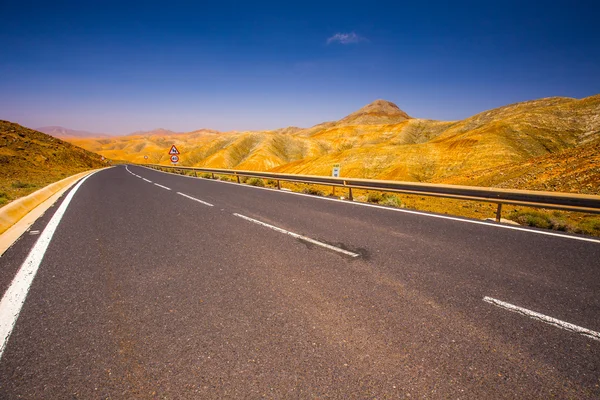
195, 199
544, 318
164, 187
295, 235
147, 180
14, 297
406, 211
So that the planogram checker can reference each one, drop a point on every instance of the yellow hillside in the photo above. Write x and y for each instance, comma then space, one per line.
30, 160
381, 141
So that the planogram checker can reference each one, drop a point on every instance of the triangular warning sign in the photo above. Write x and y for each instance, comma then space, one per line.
174, 151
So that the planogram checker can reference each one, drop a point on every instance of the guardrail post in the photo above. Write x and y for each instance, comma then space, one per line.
499, 212
213, 175
238, 178
333, 191
195, 174
350, 194
278, 184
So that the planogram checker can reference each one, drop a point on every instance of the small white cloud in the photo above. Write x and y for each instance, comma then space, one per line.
346, 38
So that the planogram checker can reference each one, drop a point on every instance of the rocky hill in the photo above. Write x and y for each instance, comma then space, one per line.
30, 160
377, 113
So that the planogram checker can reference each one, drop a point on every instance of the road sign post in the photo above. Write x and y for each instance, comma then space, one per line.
174, 153
335, 172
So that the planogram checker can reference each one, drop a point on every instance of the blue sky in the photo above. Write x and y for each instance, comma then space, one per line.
118, 67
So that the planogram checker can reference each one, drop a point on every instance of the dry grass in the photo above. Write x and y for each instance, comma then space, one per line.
31, 160
586, 224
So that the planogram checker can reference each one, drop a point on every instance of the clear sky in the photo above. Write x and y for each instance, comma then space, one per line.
121, 66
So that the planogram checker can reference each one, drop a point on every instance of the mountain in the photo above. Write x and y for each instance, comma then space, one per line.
30, 160
380, 141
377, 113
575, 169
155, 132
62, 132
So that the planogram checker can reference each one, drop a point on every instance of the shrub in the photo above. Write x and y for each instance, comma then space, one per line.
22, 185
539, 219
313, 191
256, 182
374, 197
391, 200
385, 199
531, 218
589, 226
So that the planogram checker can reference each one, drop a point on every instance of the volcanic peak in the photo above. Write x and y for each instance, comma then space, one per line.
376, 113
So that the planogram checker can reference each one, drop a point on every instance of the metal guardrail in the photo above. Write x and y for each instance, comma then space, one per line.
538, 199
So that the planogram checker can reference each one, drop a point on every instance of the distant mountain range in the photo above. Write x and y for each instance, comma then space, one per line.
155, 132
62, 132
500, 147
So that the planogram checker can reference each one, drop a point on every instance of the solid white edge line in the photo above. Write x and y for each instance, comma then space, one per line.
295, 235
403, 210
164, 187
147, 180
14, 297
544, 318
195, 199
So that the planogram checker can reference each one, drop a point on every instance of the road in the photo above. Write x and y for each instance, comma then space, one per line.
163, 286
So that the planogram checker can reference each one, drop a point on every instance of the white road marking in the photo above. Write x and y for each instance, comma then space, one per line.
195, 199
132, 173
14, 297
164, 187
295, 235
149, 181
492, 225
404, 210
544, 318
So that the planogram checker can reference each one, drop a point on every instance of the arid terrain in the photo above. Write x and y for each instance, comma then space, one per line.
30, 160
550, 144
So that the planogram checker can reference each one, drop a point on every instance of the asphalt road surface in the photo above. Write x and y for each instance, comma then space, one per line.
165, 286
